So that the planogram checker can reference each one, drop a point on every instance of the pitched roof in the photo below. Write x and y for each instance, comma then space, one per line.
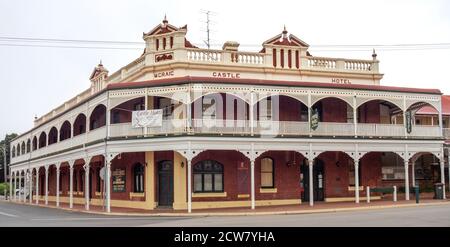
196, 79
429, 110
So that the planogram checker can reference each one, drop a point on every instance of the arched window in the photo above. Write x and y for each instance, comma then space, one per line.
52, 136
34, 143
79, 126
18, 149
28, 146
42, 140
23, 148
138, 175
208, 176
14, 152
98, 117
267, 178
65, 131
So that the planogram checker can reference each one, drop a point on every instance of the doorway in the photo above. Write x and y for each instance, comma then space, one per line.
318, 181
165, 183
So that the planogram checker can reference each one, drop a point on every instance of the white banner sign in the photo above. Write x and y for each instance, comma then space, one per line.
149, 118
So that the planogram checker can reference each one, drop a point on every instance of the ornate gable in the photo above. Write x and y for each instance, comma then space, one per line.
164, 28
284, 39
98, 71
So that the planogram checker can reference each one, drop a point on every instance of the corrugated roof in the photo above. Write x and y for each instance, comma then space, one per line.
193, 79
429, 110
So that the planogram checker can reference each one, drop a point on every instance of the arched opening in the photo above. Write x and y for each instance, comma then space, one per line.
23, 148
35, 143
138, 177
380, 118
13, 151
65, 131
424, 114
332, 116
53, 136
280, 108
384, 169
379, 112
333, 110
79, 126
18, 149
98, 117
220, 106
425, 171
42, 139
28, 146
122, 113
220, 112
208, 176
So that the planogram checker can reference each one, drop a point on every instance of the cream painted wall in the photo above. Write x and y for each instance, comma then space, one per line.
179, 182
150, 179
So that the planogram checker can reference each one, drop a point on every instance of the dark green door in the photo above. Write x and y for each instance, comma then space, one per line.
165, 183
318, 181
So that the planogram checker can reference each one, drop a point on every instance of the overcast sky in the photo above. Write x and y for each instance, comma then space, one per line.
34, 80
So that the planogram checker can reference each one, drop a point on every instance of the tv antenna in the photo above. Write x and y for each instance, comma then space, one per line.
208, 13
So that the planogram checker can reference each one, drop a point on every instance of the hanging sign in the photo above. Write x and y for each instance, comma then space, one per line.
148, 118
408, 125
314, 122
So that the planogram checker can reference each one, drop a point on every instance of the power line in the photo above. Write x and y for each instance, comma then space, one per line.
127, 45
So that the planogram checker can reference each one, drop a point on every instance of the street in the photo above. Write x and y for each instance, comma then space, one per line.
18, 215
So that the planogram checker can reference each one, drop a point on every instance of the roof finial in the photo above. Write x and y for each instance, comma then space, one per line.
165, 21
285, 32
374, 55
100, 64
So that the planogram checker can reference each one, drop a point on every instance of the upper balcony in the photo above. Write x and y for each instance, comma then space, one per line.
277, 116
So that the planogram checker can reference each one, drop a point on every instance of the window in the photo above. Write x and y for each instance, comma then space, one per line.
115, 116
75, 180
267, 173
208, 176
351, 174
99, 180
138, 174
166, 105
139, 107
265, 109
349, 114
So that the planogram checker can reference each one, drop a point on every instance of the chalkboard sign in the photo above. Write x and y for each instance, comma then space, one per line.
119, 180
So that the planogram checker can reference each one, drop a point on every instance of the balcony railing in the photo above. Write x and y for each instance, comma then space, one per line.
446, 133
240, 127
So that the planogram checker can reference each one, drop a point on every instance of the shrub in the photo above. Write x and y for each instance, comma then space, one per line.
2, 188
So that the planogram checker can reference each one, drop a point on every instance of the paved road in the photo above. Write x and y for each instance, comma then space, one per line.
24, 215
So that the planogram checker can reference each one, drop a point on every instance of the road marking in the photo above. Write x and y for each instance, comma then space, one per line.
9, 215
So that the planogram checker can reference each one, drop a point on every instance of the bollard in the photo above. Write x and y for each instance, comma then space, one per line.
395, 193
368, 194
416, 190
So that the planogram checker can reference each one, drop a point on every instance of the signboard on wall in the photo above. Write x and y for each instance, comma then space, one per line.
118, 180
148, 118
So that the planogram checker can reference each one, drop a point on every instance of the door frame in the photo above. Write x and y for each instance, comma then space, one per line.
171, 182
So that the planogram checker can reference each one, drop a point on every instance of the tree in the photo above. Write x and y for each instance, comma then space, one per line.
6, 142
